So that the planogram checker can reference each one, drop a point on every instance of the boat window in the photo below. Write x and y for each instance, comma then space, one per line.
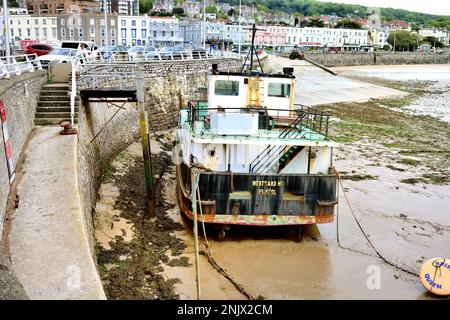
226, 88
281, 90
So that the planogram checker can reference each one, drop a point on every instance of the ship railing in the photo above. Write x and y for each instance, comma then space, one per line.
306, 120
315, 121
16, 65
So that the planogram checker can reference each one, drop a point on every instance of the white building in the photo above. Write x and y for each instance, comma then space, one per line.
146, 30
378, 38
121, 7
441, 35
346, 39
215, 31
27, 27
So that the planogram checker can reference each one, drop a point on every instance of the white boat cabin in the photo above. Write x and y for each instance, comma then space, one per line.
248, 123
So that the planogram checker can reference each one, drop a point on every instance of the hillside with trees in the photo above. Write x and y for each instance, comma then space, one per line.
315, 8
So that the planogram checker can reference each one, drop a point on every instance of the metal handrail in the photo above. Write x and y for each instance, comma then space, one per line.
16, 65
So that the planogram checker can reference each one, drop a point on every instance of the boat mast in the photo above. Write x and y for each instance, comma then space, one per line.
252, 50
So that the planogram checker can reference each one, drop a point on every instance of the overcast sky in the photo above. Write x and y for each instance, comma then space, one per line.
427, 6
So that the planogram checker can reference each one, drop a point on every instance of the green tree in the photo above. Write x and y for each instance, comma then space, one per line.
145, 6
433, 41
348, 24
404, 40
177, 11
315, 22
210, 9
231, 12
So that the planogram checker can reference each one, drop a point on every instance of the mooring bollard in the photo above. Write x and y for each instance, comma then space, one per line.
67, 125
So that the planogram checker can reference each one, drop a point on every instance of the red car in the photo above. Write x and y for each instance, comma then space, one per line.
39, 49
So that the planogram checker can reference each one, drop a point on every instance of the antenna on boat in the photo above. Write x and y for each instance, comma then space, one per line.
252, 50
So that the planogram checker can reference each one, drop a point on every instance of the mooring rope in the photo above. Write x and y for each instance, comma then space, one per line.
378, 254
208, 254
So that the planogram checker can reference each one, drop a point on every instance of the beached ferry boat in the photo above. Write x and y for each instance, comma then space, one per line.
257, 158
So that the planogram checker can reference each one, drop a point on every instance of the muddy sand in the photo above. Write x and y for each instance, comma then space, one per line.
395, 176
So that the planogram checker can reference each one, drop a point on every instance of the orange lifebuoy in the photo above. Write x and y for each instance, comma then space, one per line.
435, 276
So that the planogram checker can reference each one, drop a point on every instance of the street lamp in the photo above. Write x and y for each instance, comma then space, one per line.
239, 31
6, 27
106, 26
204, 24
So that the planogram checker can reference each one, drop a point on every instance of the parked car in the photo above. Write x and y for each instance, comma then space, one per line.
58, 55
39, 49
172, 53
140, 51
77, 44
113, 52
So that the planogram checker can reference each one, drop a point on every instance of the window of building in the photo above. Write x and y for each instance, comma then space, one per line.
226, 88
92, 32
113, 42
63, 22
92, 22
143, 33
123, 33
280, 90
44, 21
28, 33
133, 23
112, 22
102, 22
54, 35
80, 32
36, 33
53, 22
102, 32
71, 33
144, 23
36, 22
113, 32
123, 22
133, 33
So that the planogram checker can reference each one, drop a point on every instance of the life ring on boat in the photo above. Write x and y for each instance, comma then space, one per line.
435, 276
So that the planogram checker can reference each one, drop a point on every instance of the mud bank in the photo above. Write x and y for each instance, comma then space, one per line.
131, 248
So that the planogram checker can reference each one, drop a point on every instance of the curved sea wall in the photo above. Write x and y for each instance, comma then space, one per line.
20, 94
104, 131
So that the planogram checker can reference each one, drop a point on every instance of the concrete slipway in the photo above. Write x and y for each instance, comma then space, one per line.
316, 86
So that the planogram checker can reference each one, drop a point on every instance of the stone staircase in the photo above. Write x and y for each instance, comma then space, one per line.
54, 105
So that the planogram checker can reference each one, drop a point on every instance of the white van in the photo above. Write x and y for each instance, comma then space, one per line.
77, 45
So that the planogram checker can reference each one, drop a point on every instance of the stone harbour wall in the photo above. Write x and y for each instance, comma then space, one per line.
168, 85
20, 94
377, 58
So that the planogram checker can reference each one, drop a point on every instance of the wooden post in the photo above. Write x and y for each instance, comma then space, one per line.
145, 140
